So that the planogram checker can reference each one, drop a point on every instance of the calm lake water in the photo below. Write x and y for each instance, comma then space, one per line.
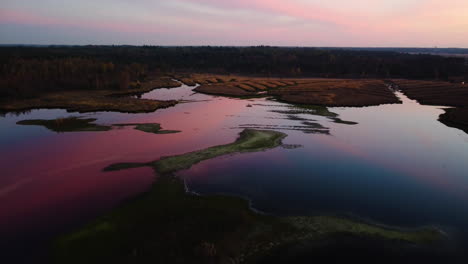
392, 164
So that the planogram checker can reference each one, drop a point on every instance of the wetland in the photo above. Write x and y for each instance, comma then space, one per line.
299, 178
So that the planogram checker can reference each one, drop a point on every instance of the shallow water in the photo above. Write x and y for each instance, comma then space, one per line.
398, 165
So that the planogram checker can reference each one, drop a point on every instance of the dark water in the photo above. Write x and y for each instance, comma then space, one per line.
397, 166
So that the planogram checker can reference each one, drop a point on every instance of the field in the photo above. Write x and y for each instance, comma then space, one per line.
314, 91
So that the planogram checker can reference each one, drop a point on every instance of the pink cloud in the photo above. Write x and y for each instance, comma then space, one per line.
27, 18
309, 12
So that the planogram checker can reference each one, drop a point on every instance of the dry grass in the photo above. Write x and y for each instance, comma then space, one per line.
151, 84
268, 84
246, 87
257, 85
100, 100
329, 92
337, 92
435, 92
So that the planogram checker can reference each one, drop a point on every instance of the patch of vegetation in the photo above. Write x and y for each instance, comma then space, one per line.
455, 117
150, 128
249, 141
86, 101
69, 124
169, 225
78, 124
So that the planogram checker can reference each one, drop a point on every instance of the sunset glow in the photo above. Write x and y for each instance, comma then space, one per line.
221, 22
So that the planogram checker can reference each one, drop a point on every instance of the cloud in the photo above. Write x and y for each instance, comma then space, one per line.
253, 22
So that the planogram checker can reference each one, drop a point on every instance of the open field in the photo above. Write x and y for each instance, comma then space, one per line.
314, 91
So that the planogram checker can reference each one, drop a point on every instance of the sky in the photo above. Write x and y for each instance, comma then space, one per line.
337, 23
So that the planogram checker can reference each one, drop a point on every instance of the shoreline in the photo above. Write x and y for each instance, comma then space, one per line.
84, 101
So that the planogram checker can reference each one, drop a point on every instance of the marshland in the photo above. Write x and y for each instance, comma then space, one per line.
151, 154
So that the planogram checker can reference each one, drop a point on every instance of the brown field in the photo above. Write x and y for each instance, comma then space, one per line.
246, 87
328, 92
257, 85
268, 85
435, 92
85, 101
188, 81
336, 92
227, 90
96, 100
147, 86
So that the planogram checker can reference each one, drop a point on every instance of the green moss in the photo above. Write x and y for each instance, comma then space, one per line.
69, 124
329, 224
149, 128
249, 141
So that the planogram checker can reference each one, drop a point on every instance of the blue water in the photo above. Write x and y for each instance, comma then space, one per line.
395, 165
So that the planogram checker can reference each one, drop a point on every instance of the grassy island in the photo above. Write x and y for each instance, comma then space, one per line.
249, 141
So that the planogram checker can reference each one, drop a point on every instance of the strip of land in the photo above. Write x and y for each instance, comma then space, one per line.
69, 124
96, 100
249, 140
78, 124
153, 128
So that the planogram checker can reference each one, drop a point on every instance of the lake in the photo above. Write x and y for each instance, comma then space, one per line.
391, 164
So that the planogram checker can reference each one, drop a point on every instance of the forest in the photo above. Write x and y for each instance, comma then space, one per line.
26, 71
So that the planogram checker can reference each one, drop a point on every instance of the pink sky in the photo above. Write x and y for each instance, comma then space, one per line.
422, 23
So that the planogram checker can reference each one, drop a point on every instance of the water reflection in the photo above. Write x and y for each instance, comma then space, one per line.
392, 163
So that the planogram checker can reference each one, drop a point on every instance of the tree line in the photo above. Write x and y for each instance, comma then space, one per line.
30, 77
25, 70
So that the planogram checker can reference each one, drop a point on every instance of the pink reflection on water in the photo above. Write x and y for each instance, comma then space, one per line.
61, 183
60, 178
